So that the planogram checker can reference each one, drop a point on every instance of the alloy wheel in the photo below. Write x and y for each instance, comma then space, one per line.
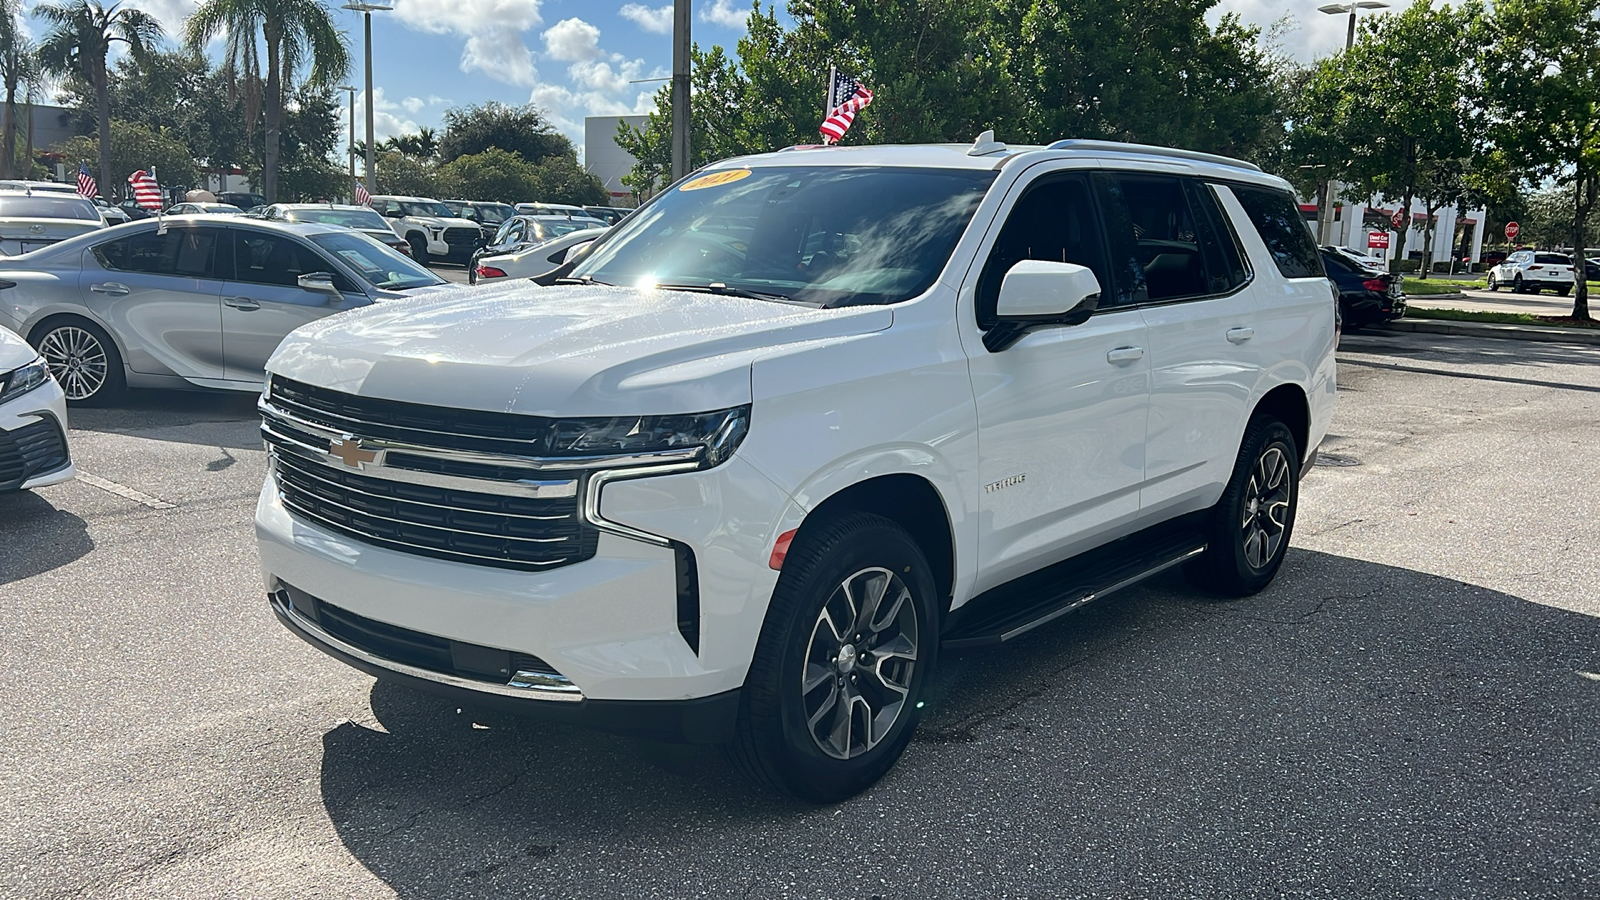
77, 359
1266, 506
859, 663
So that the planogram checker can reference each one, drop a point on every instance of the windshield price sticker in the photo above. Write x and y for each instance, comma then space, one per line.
715, 179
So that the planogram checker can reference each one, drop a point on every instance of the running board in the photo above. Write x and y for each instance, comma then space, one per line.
1018, 607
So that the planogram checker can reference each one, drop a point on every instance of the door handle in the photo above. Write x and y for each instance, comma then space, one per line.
1125, 354
111, 288
242, 303
1240, 335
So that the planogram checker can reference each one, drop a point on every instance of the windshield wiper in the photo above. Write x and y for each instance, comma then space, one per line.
717, 287
582, 279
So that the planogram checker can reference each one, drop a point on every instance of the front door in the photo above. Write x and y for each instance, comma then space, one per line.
159, 290
264, 301
1061, 413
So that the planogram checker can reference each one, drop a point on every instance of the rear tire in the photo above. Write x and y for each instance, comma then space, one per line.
1248, 530
1516, 286
830, 640
1565, 291
83, 359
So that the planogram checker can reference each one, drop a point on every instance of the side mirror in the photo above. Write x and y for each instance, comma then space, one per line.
320, 283
1037, 293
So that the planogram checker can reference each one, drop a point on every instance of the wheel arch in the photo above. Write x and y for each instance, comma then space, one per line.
38, 321
1288, 403
913, 503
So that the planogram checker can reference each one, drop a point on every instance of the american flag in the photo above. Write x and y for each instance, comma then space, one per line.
86, 185
362, 197
145, 189
846, 97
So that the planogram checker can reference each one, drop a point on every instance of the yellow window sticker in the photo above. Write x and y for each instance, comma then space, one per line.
713, 179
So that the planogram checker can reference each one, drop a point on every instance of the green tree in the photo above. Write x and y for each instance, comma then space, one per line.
1541, 81
494, 174
134, 145
396, 173
310, 134
423, 145
81, 35
523, 130
19, 70
562, 180
294, 33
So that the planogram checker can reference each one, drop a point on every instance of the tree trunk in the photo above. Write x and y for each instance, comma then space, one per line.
1405, 227
1585, 186
1427, 243
8, 134
269, 158
102, 96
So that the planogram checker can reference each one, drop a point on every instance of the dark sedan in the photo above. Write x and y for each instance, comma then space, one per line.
1365, 297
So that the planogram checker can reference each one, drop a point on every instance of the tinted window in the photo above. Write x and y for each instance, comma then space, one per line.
1225, 266
1552, 259
1054, 221
185, 252
48, 208
376, 263
426, 208
824, 234
1283, 229
1334, 264
263, 258
1155, 250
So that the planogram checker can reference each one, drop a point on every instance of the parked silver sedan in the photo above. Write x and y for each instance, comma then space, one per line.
198, 301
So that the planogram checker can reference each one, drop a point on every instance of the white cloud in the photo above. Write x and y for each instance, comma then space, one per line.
658, 21
725, 13
386, 118
170, 13
1304, 37
493, 29
572, 39
413, 105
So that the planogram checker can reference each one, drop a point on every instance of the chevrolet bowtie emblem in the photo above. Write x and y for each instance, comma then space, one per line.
349, 451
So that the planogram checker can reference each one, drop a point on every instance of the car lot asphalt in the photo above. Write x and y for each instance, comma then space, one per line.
1410, 710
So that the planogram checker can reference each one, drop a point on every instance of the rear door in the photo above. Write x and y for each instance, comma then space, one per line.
159, 291
263, 300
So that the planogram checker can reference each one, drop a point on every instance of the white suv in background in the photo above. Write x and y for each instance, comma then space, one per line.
1531, 270
799, 424
432, 230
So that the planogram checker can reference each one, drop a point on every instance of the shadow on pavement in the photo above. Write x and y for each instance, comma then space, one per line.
35, 537
223, 419
1356, 730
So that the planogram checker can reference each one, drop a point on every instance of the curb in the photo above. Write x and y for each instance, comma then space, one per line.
1455, 296
1547, 334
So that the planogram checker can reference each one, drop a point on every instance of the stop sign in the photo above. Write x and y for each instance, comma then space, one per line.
1398, 217
1511, 231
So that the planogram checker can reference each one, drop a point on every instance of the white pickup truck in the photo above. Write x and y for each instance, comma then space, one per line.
797, 426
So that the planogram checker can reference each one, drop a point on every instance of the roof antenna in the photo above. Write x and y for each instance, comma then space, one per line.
985, 145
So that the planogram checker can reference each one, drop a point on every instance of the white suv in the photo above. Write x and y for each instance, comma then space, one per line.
430, 228
1528, 270
797, 425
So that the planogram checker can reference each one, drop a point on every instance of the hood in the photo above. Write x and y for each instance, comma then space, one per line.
438, 222
558, 351
14, 351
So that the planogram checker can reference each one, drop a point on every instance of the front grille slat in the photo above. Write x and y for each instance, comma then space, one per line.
510, 531
34, 449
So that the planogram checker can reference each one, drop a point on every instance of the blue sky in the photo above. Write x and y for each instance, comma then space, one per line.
576, 57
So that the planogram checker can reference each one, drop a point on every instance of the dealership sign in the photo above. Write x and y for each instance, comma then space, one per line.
1377, 240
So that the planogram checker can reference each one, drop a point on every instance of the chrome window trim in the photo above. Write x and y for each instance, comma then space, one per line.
526, 685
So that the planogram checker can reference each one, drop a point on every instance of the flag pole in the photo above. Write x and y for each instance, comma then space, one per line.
161, 223
827, 102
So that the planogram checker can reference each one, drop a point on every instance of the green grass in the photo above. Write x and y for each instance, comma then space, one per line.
1462, 315
1421, 288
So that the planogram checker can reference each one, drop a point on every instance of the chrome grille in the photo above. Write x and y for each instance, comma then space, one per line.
461, 526
415, 423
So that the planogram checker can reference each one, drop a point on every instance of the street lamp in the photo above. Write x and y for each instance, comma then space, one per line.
1330, 188
1339, 9
352, 145
367, 9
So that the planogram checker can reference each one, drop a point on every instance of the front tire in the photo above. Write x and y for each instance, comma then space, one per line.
849, 644
1248, 531
1493, 286
83, 359
419, 249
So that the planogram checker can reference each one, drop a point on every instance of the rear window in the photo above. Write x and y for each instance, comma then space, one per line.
48, 208
1283, 229
1555, 259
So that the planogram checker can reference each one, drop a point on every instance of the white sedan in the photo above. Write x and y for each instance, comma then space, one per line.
535, 260
33, 419
1527, 270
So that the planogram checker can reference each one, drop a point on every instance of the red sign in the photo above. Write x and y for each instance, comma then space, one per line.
1511, 230
1398, 217
1377, 240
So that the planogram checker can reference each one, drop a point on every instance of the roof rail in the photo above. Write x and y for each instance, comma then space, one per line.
1148, 150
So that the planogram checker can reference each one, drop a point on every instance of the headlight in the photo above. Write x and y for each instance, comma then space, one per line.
20, 381
718, 433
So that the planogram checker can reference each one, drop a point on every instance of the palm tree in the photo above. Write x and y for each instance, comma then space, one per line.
82, 34
19, 69
293, 32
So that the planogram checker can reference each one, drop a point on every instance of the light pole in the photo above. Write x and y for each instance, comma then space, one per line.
351, 89
367, 9
1325, 211
680, 88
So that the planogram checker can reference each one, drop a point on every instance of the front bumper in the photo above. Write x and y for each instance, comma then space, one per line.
33, 439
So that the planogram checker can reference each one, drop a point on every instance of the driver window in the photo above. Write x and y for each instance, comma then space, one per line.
1054, 221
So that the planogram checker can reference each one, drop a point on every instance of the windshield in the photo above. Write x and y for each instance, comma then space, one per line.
378, 265
426, 208
48, 208
826, 235
554, 228
495, 213
349, 218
